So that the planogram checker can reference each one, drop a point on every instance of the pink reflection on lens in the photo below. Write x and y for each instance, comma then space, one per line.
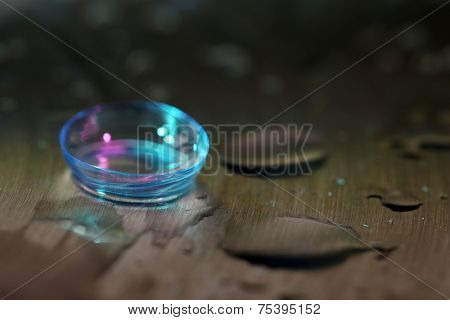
102, 161
107, 137
90, 128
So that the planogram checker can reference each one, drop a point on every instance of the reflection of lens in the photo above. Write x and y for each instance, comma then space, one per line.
135, 151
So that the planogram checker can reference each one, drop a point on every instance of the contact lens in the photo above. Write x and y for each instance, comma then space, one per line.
139, 152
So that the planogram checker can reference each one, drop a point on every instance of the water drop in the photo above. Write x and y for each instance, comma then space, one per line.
275, 150
340, 181
288, 242
395, 200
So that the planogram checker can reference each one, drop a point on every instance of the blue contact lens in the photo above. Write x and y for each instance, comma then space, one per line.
139, 152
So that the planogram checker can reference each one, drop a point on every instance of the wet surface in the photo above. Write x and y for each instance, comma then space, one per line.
86, 217
239, 62
71, 278
169, 221
107, 222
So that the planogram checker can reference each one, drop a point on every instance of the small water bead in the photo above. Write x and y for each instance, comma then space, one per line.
340, 181
42, 144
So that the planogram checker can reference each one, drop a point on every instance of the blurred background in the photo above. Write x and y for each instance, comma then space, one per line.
232, 61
